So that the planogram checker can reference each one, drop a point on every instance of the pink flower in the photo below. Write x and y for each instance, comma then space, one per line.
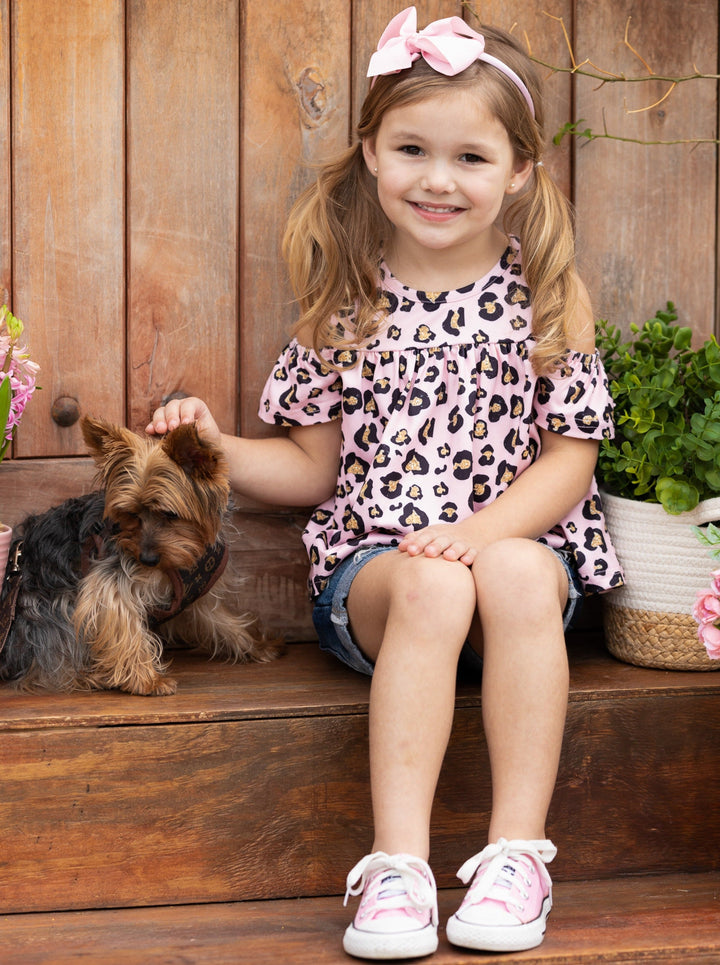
715, 582
709, 634
707, 607
706, 611
18, 371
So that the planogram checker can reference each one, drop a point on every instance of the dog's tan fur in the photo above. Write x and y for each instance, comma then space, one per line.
165, 502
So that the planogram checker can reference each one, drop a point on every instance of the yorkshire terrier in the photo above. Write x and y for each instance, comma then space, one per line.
97, 585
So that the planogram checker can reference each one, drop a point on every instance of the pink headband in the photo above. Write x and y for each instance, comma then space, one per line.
448, 46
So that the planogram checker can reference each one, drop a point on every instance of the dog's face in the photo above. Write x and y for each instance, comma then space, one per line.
166, 498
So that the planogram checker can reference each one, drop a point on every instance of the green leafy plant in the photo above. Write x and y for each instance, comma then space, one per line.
667, 414
709, 536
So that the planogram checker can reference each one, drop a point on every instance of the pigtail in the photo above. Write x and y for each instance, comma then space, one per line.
332, 248
542, 217
546, 229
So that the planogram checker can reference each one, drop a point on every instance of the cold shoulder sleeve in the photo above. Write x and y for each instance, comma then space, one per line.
575, 400
301, 390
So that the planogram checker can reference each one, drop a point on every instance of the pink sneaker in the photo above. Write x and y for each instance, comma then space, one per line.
398, 915
507, 904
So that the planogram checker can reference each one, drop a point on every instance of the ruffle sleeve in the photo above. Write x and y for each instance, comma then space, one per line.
301, 389
576, 399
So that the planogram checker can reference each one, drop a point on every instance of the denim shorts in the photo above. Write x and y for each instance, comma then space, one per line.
331, 618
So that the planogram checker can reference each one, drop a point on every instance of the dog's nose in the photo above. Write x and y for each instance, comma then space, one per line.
149, 559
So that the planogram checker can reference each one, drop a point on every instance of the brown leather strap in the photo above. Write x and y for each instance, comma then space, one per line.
13, 578
190, 585
94, 547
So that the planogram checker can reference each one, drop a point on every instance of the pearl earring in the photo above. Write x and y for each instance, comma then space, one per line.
375, 170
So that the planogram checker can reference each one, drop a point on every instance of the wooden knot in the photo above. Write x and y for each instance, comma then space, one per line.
312, 93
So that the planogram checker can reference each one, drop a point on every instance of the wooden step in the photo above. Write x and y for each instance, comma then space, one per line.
252, 783
661, 919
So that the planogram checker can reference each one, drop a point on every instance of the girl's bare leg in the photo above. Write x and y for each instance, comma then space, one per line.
411, 615
522, 591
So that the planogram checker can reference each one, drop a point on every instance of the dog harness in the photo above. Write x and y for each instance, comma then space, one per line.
188, 585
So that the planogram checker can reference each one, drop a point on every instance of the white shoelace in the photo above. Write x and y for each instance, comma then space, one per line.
418, 883
541, 852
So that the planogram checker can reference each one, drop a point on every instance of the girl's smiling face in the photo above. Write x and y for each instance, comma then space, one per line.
443, 166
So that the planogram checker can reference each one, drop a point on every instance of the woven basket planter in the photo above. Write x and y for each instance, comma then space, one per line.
649, 622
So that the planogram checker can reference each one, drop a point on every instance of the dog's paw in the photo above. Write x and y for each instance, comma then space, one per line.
267, 649
159, 687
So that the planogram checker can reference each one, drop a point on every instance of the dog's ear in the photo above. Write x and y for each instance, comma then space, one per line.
109, 445
98, 433
198, 458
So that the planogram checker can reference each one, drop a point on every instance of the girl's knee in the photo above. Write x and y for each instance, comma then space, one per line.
435, 587
515, 568
514, 553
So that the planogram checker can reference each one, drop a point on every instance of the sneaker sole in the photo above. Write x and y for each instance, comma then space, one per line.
377, 946
499, 938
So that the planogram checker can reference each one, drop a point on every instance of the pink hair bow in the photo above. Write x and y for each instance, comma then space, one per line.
449, 46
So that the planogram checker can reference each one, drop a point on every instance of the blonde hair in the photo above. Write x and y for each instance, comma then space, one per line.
334, 237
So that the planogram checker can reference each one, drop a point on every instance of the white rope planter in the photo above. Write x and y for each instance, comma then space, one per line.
649, 621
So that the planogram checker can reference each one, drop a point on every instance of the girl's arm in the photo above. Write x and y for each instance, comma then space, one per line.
300, 469
535, 502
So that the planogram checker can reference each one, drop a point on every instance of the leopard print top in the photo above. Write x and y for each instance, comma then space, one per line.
440, 413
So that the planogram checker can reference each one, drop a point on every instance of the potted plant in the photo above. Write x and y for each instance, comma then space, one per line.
17, 383
660, 484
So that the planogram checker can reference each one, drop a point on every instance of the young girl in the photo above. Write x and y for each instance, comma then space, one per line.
444, 402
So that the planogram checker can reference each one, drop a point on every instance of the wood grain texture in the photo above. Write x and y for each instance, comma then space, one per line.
68, 209
183, 149
5, 156
652, 920
252, 782
308, 683
646, 225
295, 102
34, 485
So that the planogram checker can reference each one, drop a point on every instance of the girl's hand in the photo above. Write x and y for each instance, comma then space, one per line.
447, 540
179, 411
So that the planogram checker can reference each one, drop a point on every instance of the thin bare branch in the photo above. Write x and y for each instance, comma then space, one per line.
586, 68
527, 43
561, 21
632, 49
640, 110
609, 77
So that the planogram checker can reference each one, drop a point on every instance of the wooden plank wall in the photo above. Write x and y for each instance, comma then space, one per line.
648, 214
67, 216
149, 153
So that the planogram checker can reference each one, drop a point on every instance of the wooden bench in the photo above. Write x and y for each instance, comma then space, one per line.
251, 783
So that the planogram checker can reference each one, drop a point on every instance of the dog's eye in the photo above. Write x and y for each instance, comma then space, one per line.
169, 515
